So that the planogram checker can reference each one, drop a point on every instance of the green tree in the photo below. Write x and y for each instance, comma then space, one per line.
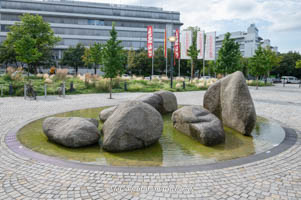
73, 57
228, 60
8, 55
93, 56
113, 57
272, 60
257, 64
27, 50
193, 51
159, 61
32, 40
131, 58
298, 64
287, 65
244, 63
142, 64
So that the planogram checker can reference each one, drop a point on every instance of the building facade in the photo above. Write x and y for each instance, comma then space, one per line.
248, 41
84, 22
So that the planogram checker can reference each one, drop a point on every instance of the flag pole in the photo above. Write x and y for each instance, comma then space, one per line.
166, 65
179, 73
204, 54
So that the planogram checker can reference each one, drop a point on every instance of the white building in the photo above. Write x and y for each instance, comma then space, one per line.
248, 41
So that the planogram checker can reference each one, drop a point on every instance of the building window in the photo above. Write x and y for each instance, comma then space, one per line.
100, 23
91, 22
96, 22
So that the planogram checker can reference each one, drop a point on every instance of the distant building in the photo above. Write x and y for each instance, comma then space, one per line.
84, 22
248, 41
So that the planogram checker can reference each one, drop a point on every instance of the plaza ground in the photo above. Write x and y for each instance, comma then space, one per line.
277, 177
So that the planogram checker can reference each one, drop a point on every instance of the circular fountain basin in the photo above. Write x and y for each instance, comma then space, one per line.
173, 149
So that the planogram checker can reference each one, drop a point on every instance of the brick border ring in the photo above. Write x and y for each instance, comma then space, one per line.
13, 144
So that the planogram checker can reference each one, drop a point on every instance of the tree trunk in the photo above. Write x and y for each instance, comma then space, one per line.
256, 82
28, 68
76, 70
192, 68
95, 70
111, 80
35, 69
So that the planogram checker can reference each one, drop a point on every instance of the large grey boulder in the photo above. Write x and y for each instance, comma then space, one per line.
169, 101
71, 131
230, 100
200, 124
133, 125
106, 113
153, 100
163, 101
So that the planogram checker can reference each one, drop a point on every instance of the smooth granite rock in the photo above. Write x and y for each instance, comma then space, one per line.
200, 124
169, 101
133, 125
106, 113
230, 100
71, 131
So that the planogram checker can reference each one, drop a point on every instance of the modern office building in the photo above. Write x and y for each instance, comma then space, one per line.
248, 41
84, 22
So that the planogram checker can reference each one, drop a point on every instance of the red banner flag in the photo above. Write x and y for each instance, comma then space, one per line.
150, 41
177, 45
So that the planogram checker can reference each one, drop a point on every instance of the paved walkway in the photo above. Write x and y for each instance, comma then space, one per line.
278, 177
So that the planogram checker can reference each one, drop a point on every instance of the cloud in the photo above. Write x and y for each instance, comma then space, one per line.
271, 16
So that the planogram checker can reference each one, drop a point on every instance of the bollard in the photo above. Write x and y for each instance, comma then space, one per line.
1, 90
71, 86
10, 89
125, 86
45, 90
64, 89
184, 86
25, 88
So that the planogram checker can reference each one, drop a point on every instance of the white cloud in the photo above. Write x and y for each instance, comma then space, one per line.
271, 16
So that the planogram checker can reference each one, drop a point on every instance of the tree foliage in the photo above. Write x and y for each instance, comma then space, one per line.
258, 62
228, 60
272, 60
73, 57
131, 58
113, 57
31, 40
159, 61
93, 56
298, 64
263, 62
8, 55
287, 65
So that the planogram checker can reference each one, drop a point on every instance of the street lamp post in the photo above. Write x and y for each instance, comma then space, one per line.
172, 40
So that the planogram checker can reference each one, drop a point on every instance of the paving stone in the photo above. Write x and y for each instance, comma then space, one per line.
277, 177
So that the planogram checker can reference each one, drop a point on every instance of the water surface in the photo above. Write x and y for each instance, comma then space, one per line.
173, 149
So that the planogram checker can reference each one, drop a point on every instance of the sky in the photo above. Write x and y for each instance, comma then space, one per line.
277, 20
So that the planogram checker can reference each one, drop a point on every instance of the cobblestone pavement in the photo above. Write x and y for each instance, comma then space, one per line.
278, 177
